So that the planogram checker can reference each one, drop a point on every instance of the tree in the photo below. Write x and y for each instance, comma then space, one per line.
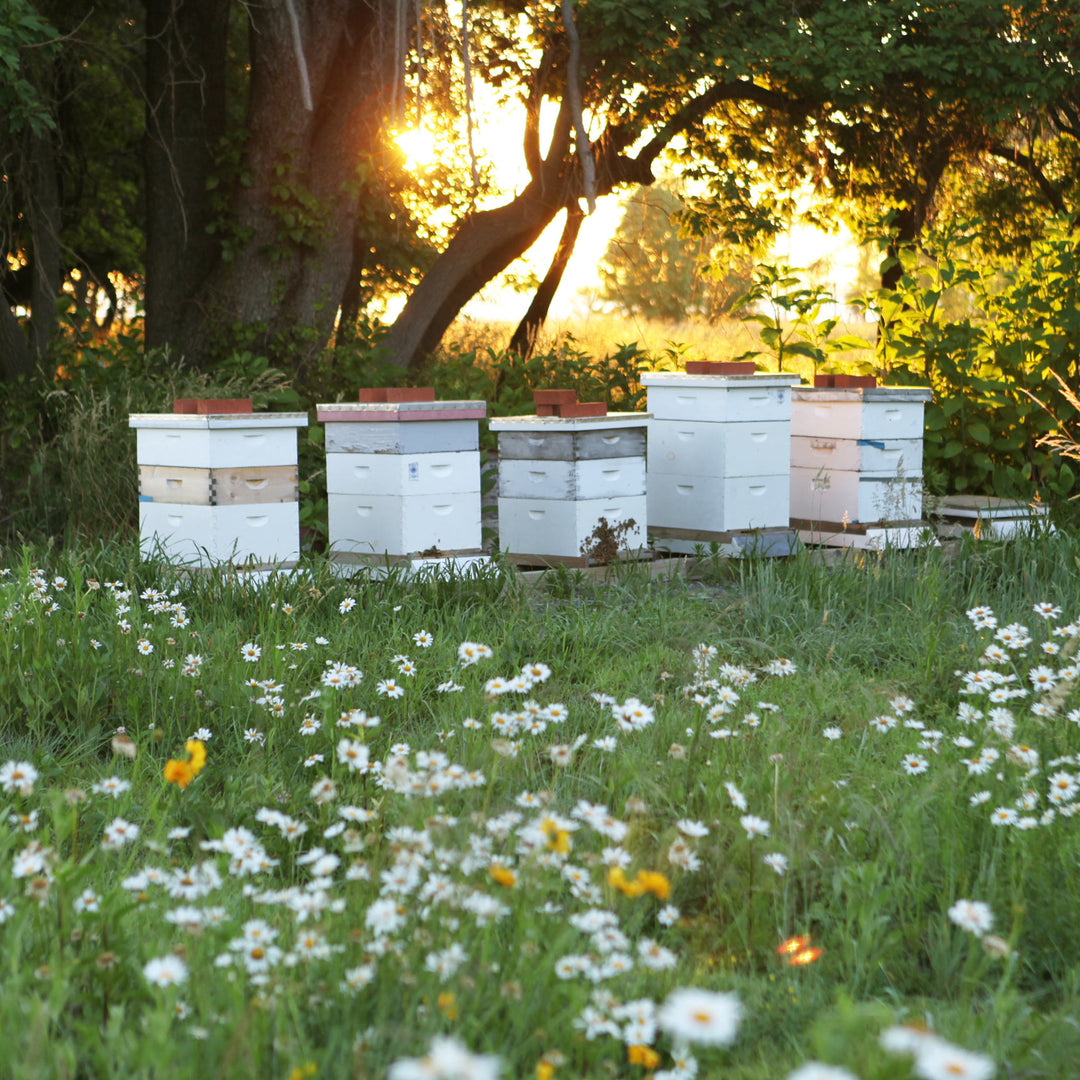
875, 101
653, 268
269, 175
279, 261
68, 158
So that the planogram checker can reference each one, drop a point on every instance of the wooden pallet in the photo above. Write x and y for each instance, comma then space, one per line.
865, 535
776, 541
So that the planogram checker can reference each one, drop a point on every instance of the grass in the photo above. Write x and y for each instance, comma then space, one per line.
600, 334
327, 921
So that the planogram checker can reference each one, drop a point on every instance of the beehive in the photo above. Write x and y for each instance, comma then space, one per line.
718, 455
403, 478
218, 487
563, 478
856, 454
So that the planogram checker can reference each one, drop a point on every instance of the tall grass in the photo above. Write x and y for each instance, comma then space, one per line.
450, 902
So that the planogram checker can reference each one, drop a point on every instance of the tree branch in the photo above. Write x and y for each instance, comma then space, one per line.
1031, 167
531, 143
573, 93
695, 110
301, 60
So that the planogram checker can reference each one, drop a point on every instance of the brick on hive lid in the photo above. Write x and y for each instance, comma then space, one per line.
824, 382
554, 397
212, 406
849, 382
720, 367
581, 408
371, 395
409, 393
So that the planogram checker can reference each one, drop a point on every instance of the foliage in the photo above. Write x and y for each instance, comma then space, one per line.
326, 921
23, 32
506, 382
655, 267
79, 132
870, 103
67, 455
983, 428
792, 325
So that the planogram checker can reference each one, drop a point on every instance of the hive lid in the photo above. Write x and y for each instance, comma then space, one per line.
863, 394
545, 424
400, 411
682, 380
207, 421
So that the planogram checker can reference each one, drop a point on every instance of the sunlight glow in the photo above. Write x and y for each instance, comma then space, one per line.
418, 146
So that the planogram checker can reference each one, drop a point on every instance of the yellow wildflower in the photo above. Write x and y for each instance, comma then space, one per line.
642, 1055
503, 875
655, 882
558, 839
182, 773
645, 881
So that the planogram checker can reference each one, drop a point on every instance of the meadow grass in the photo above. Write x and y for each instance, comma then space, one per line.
306, 829
599, 334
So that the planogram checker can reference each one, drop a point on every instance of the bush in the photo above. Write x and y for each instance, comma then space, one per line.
992, 368
67, 455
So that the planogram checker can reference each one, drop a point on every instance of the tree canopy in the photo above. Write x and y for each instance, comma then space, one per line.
235, 162
653, 268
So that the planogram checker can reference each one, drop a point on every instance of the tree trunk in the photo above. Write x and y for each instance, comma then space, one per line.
186, 56
486, 244
524, 340
296, 213
352, 295
16, 356
45, 238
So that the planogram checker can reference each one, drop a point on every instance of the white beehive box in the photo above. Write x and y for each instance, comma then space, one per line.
895, 457
704, 448
219, 487
845, 496
562, 528
878, 413
559, 476
216, 441
403, 478
719, 453
403, 474
718, 504
674, 395
404, 524
209, 535
599, 478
